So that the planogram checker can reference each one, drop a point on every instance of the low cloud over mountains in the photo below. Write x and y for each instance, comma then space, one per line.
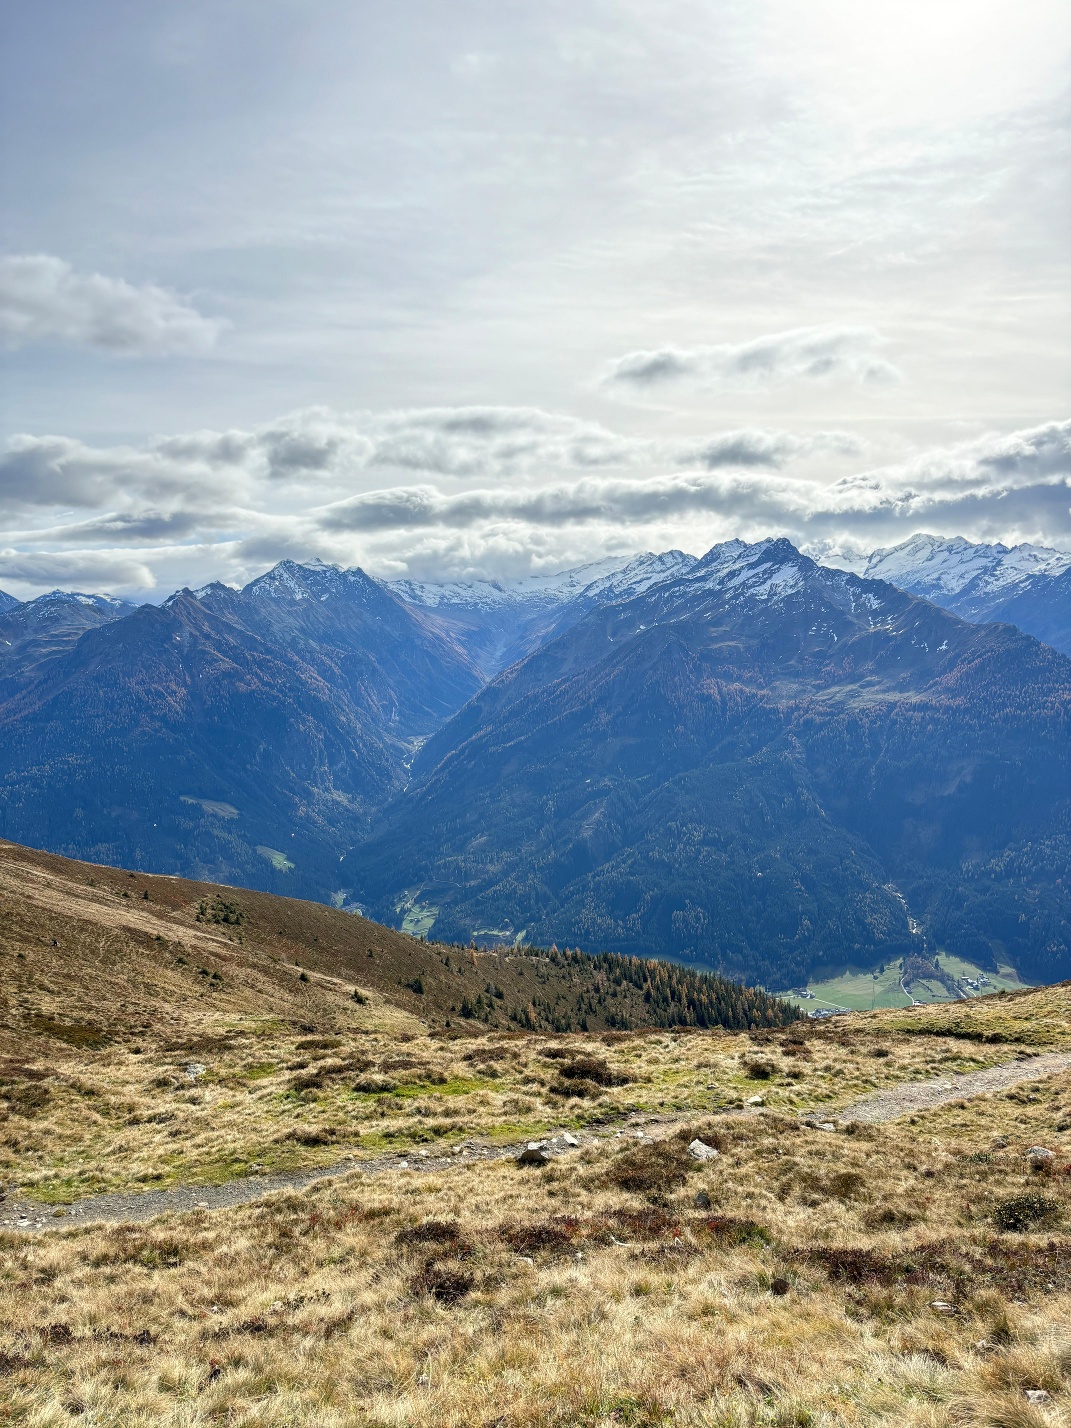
501, 489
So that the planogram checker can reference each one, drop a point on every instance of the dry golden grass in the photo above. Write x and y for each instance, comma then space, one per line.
79, 1121
811, 1291
856, 1278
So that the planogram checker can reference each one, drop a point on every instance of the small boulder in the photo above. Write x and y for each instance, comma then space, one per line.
1040, 1157
780, 1286
755, 1101
568, 1139
534, 1153
1037, 1395
699, 1150
702, 1200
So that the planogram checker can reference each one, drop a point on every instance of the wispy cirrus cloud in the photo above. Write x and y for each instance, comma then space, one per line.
44, 299
804, 354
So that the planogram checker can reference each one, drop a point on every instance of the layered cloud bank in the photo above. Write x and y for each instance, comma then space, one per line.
490, 490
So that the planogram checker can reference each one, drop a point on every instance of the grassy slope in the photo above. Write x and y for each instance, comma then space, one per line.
594, 1292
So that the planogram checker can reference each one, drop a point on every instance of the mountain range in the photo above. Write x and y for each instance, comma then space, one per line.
1024, 585
761, 765
746, 761
500, 622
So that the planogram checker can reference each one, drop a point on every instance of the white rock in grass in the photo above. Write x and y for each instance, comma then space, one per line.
533, 1154
569, 1139
699, 1150
1037, 1395
755, 1101
1039, 1155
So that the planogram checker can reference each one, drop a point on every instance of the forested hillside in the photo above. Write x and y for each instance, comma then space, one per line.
765, 767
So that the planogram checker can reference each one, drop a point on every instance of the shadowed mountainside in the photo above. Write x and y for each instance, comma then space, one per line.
243, 735
764, 766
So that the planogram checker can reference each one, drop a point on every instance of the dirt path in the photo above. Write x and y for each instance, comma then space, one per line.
133, 1207
923, 1095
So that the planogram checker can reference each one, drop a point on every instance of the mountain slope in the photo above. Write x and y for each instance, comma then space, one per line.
245, 736
1025, 585
166, 936
736, 766
499, 622
33, 631
385, 659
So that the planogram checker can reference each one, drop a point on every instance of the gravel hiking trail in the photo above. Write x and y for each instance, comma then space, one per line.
133, 1207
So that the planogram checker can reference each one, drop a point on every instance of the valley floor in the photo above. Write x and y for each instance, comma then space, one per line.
869, 991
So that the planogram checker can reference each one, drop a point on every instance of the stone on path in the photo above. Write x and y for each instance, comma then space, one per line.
534, 1153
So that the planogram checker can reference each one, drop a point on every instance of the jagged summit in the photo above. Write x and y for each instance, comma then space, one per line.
310, 580
768, 569
64, 598
931, 566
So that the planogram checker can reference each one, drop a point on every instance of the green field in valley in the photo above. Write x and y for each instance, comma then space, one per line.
865, 991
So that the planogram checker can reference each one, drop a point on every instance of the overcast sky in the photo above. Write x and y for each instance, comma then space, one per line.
490, 287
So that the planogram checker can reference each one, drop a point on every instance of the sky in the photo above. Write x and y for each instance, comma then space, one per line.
492, 288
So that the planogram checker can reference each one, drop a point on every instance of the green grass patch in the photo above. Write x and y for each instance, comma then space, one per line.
279, 861
456, 1086
418, 918
872, 990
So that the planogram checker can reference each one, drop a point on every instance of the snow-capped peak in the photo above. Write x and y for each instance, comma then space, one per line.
60, 598
929, 566
768, 570
638, 575
307, 580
